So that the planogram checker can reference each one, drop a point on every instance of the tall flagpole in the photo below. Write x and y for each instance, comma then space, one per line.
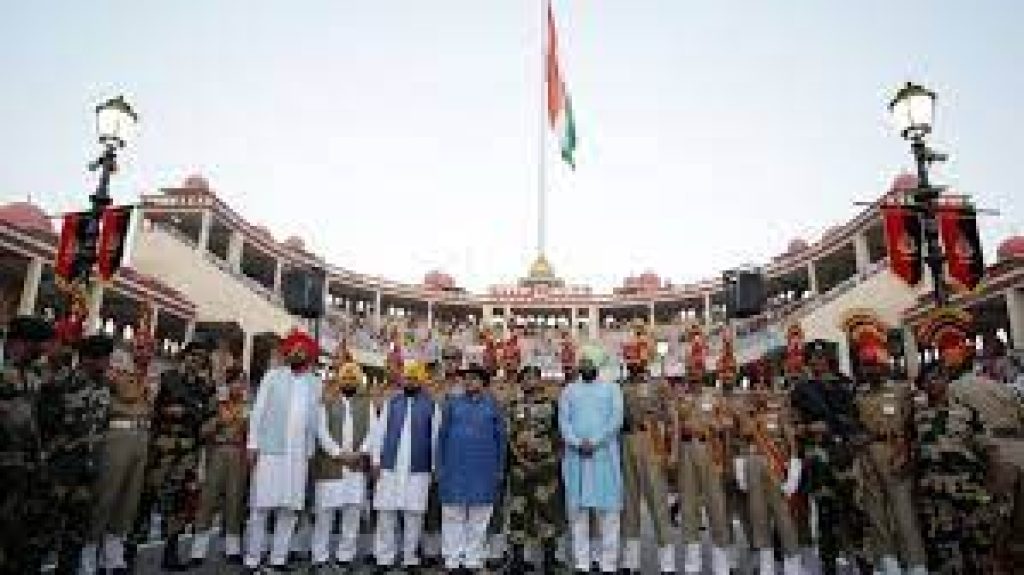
542, 133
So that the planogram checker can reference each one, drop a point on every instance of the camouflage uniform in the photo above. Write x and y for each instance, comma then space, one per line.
22, 503
536, 516
957, 512
73, 412
184, 410
828, 463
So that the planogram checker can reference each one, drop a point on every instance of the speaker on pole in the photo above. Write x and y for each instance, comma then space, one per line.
744, 293
303, 292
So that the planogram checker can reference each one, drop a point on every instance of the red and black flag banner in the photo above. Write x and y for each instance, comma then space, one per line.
903, 242
71, 232
113, 234
958, 230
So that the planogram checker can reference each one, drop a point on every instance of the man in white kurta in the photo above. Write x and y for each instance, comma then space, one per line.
341, 463
282, 435
403, 453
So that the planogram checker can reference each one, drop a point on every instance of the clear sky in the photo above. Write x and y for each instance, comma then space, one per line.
399, 136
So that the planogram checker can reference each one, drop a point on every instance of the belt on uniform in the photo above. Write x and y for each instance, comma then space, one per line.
1006, 433
237, 444
129, 424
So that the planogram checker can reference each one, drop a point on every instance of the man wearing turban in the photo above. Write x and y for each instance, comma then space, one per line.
403, 452
281, 439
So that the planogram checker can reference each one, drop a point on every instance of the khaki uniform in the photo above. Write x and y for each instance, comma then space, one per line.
123, 474
643, 461
701, 454
771, 447
884, 479
226, 468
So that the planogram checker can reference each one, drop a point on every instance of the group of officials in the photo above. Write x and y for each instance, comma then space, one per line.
874, 475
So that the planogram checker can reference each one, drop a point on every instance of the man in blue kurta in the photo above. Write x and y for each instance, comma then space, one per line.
470, 461
590, 418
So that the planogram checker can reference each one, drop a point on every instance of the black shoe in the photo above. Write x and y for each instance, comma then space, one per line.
171, 560
118, 571
432, 562
518, 562
233, 559
196, 563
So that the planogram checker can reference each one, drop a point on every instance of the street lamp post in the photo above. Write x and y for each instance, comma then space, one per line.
115, 122
913, 110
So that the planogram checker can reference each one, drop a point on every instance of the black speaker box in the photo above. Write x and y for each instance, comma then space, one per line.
744, 293
303, 292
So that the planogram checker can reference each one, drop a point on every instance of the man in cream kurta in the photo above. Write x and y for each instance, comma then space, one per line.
403, 447
341, 463
282, 435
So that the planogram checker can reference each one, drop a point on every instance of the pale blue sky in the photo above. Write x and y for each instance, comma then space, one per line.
397, 136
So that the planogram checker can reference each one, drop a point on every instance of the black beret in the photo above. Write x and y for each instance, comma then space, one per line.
819, 347
29, 328
197, 346
96, 346
477, 371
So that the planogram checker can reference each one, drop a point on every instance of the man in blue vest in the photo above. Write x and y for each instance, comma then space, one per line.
403, 455
470, 461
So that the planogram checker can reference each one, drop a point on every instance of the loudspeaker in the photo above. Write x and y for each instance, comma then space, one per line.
303, 291
744, 293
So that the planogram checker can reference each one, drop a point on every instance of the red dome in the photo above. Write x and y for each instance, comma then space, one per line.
1011, 249
436, 279
196, 182
26, 216
796, 246
904, 181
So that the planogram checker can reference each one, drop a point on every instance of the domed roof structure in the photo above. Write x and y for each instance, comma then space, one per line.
196, 182
1011, 248
27, 216
295, 243
436, 279
796, 245
904, 181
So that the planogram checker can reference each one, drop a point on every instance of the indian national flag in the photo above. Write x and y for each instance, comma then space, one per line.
559, 103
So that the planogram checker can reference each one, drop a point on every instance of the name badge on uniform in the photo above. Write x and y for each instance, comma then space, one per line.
889, 409
706, 405
772, 425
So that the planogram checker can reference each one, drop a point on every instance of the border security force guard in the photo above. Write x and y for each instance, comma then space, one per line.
534, 509
883, 466
642, 471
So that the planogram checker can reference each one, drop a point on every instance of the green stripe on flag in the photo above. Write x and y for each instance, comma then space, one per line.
568, 135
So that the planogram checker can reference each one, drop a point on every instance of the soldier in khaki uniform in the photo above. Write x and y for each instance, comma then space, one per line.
643, 440
768, 469
226, 471
701, 418
123, 474
883, 467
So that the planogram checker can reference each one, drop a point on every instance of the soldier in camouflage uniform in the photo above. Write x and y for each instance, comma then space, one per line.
535, 514
21, 472
73, 412
959, 513
883, 466
183, 415
826, 415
